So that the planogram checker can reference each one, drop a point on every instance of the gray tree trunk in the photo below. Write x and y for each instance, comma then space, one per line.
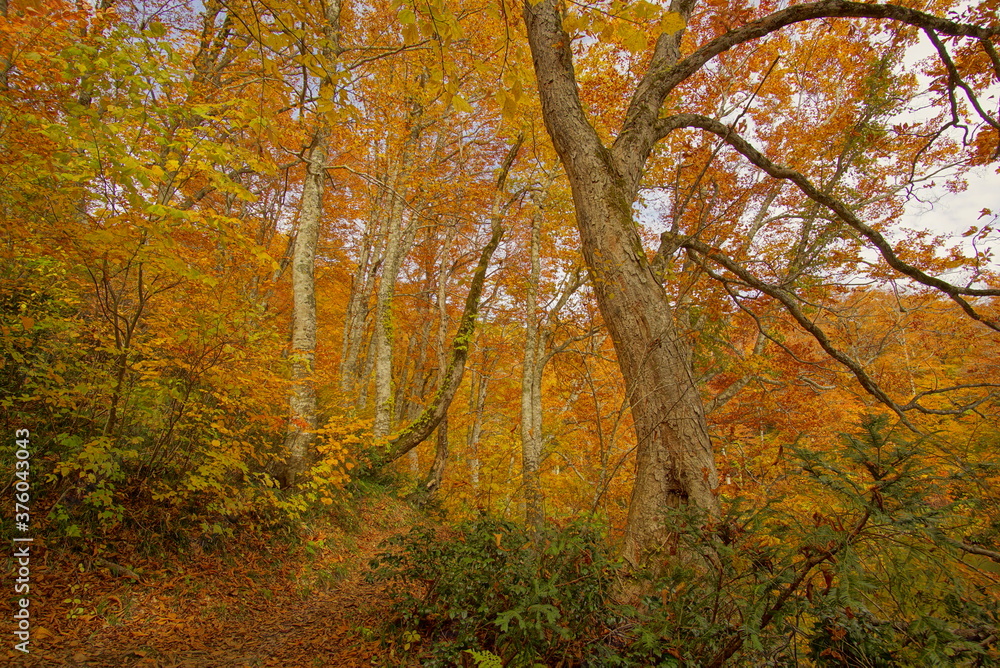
302, 400
531, 390
477, 403
303, 419
398, 242
355, 318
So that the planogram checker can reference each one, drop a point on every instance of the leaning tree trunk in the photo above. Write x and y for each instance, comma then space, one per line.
435, 476
675, 464
674, 460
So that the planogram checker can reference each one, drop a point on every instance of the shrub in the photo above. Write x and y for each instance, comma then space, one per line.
857, 568
492, 584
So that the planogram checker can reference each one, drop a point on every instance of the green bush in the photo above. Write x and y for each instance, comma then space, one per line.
859, 568
491, 584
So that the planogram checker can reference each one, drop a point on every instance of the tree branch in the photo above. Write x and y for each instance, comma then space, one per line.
842, 211
637, 135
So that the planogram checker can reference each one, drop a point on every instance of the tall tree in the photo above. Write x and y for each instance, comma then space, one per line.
303, 420
674, 458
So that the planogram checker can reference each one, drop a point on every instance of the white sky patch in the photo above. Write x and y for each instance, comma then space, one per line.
954, 213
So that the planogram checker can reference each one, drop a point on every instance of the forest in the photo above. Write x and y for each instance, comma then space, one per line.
500, 334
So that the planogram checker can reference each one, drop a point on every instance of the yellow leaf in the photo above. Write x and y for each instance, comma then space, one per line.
461, 104
671, 23
572, 23
633, 40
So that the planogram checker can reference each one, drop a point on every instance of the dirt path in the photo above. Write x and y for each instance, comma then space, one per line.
256, 608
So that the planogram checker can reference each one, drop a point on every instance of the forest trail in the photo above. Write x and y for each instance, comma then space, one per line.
308, 607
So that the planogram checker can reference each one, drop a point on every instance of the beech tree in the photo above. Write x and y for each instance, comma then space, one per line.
302, 400
674, 458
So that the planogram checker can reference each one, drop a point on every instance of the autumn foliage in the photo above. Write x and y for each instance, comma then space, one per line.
487, 198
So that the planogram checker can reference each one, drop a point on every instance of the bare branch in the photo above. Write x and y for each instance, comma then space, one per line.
974, 549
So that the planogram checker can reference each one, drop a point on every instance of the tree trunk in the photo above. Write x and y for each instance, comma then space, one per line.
531, 387
433, 481
302, 398
477, 402
451, 376
355, 319
674, 460
303, 419
399, 239
434, 477
383, 333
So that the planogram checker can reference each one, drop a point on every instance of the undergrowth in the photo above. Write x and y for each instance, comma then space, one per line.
866, 577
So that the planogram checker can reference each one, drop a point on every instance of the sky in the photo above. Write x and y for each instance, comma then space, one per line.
956, 212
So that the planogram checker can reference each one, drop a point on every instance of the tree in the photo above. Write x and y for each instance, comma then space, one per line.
303, 420
674, 459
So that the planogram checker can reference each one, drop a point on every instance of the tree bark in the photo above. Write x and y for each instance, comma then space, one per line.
436, 474
675, 464
384, 327
355, 318
477, 403
302, 421
531, 389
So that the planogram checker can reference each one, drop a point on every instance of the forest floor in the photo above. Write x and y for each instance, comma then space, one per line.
252, 605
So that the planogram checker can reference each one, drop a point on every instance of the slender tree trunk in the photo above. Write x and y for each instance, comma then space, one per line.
303, 419
302, 422
451, 376
355, 319
478, 404
531, 400
433, 481
399, 239
383, 334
